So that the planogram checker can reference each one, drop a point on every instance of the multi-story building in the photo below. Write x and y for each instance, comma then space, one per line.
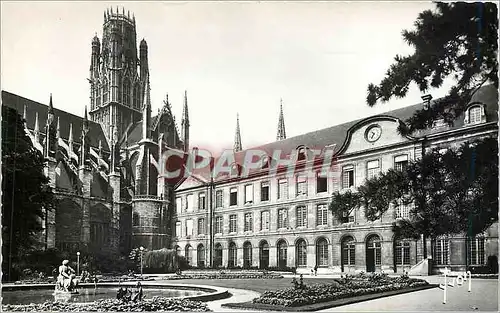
267, 219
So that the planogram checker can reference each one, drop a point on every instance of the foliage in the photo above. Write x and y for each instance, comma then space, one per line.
158, 261
457, 40
448, 193
344, 203
352, 286
26, 191
114, 305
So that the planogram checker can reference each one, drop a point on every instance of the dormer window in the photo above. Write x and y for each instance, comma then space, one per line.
235, 170
301, 153
264, 161
475, 115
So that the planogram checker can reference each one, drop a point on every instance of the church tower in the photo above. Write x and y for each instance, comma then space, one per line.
118, 75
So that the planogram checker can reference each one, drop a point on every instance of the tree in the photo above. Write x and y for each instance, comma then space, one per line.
26, 192
459, 41
448, 192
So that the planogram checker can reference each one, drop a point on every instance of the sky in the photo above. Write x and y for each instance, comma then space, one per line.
318, 57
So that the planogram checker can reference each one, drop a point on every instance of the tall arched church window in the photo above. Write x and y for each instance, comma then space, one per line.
105, 92
126, 92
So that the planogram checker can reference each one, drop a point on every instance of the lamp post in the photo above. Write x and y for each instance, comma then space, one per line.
78, 263
141, 248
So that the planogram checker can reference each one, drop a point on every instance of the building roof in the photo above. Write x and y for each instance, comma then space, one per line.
16, 102
337, 135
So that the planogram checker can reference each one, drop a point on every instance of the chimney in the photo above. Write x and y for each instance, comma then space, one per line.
427, 101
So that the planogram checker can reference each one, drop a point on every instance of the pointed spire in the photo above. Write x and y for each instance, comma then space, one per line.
237, 135
58, 129
185, 123
281, 124
37, 126
185, 113
25, 115
51, 106
85, 120
146, 110
70, 136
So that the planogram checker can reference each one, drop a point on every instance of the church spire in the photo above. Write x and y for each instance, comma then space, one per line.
281, 124
185, 123
237, 136
146, 110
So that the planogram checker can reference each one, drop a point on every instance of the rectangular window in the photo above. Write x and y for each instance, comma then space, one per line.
282, 189
347, 176
402, 251
233, 196
322, 215
264, 220
189, 203
301, 216
301, 186
248, 194
403, 211
232, 223
475, 251
218, 199
373, 168
201, 201
264, 191
321, 183
178, 205
189, 227
201, 226
218, 225
441, 252
178, 229
401, 162
248, 222
475, 115
282, 218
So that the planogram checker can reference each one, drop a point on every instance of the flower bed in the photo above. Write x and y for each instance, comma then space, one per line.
342, 288
113, 305
223, 275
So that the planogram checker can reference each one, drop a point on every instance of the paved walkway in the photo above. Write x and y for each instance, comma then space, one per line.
238, 296
483, 297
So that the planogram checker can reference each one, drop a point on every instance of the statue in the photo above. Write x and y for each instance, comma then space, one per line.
66, 281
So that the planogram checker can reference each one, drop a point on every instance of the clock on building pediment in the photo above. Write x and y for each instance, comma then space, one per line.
373, 133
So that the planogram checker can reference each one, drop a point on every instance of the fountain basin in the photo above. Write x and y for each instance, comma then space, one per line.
40, 293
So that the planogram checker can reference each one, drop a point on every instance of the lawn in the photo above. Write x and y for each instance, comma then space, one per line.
258, 285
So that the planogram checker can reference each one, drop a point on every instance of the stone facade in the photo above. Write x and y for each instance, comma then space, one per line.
352, 245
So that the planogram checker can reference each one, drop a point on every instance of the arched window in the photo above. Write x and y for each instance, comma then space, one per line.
218, 255
264, 161
282, 254
126, 92
402, 252
189, 254
200, 255
373, 253
264, 254
301, 249
322, 252
231, 255
136, 96
105, 92
348, 251
247, 255
475, 114
301, 153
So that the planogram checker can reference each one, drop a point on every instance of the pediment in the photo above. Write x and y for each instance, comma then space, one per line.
372, 133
